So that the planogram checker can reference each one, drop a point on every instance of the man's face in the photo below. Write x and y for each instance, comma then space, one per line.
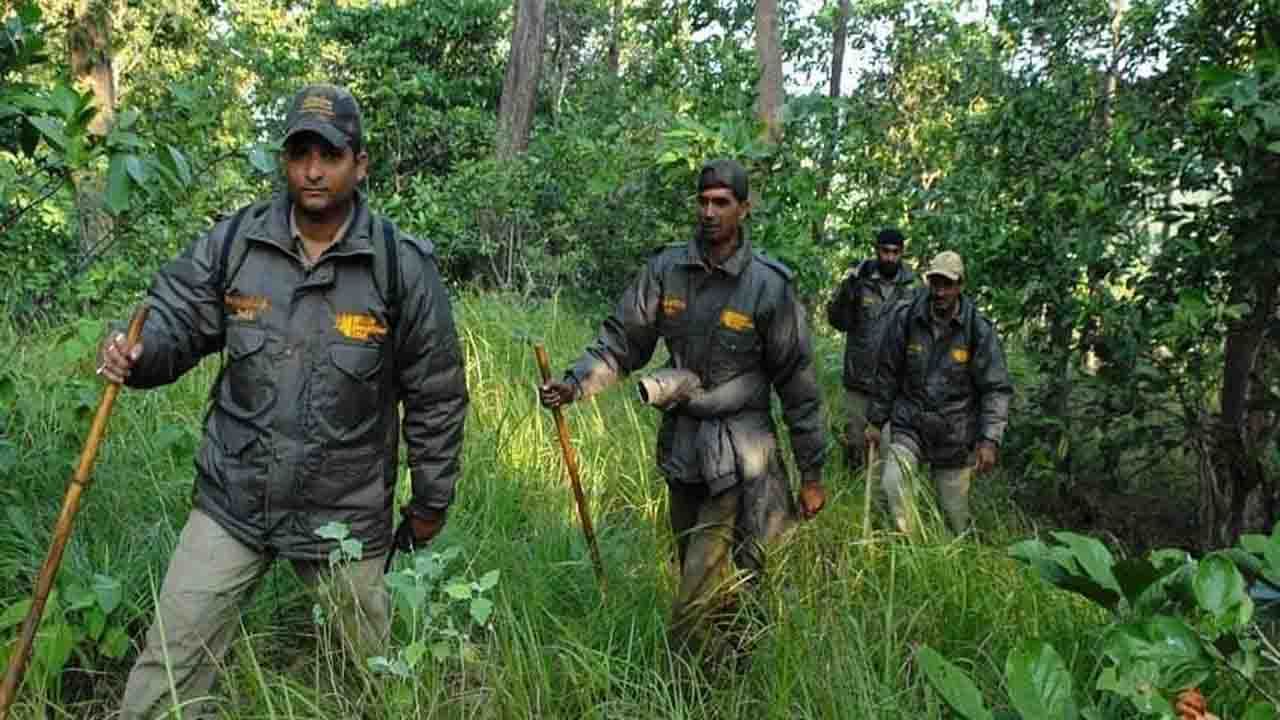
888, 257
719, 215
321, 178
944, 295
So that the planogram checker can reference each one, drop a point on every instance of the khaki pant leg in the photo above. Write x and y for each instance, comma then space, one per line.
953, 496
354, 596
707, 568
900, 465
855, 427
683, 502
210, 576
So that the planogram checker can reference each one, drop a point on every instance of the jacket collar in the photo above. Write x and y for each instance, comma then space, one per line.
736, 263
961, 318
274, 227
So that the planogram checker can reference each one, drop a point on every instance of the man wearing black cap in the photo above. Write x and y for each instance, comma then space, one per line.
729, 315
857, 309
329, 318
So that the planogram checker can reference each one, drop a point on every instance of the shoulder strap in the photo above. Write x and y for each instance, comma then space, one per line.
224, 254
393, 266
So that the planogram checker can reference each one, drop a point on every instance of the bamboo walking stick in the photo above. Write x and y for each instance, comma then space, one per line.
872, 451
571, 464
62, 532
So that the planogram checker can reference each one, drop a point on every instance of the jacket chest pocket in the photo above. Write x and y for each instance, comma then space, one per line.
733, 352
347, 393
246, 388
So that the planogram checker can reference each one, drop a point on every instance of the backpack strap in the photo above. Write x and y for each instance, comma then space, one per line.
224, 254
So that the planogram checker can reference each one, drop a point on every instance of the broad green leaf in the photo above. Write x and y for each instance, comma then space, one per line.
414, 653
261, 160
489, 580
136, 168
14, 614
1274, 147
333, 531
458, 590
1039, 682
180, 165
1093, 556
1219, 586
53, 646
952, 684
65, 100
352, 549
481, 609
126, 119
115, 644
1260, 711
108, 591
117, 186
53, 130
1136, 575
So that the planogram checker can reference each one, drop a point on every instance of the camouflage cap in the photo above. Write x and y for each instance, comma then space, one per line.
724, 173
328, 110
947, 264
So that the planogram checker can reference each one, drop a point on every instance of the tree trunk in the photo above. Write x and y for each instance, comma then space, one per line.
520, 88
769, 52
615, 39
89, 53
839, 38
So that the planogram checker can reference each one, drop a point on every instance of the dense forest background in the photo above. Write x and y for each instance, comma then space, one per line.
1109, 169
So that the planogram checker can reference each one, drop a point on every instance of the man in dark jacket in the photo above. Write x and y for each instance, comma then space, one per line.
944, 388
858, 309
730, 317
330, 318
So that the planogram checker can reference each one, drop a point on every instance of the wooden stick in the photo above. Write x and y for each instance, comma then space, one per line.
571, 464
62, 532
871, 481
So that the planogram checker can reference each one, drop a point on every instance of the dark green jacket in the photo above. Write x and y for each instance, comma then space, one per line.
721, 323
943, 395
303, 424
858, 310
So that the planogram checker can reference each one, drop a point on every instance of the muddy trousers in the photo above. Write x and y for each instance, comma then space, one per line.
902, 467
720, 541
210, 578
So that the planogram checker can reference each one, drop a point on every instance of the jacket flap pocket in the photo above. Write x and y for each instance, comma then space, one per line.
242, 342
361, 363
233, 435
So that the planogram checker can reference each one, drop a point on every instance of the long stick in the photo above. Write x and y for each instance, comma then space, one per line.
571, 464
62, 532
871, 481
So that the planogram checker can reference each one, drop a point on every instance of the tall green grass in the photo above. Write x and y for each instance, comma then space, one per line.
834, 624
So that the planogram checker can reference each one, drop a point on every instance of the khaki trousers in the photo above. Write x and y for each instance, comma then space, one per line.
901, 465
855, 428
210, 577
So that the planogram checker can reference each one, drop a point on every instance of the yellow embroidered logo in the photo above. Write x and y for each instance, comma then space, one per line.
915, 348
960, 355
359, 327
672, 305
245, 307
735, 320
868, 300
319, 105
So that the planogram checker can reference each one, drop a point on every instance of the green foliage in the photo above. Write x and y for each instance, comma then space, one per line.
1177, 623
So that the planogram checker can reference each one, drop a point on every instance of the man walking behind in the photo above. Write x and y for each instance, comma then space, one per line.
329, 318
857, 309
728, 316
944, 388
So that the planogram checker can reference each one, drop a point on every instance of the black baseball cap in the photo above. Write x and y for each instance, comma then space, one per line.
890, 237
328, 110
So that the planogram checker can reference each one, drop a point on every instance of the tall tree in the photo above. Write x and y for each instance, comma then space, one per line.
89, 51
839, 39
520, 87
769, 95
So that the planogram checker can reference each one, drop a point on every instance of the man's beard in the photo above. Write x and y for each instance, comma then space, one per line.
888, 269
943, 308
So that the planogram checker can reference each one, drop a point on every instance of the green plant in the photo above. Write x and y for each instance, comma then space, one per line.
1177, 623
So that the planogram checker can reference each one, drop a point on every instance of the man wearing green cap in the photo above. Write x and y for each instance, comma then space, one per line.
329, 319
857, 309
730, 317
945, 390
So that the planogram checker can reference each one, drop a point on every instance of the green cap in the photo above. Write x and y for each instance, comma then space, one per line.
724, 173
328, 110
947, 264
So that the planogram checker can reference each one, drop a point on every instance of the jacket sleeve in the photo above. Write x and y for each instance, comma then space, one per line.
432, 383
788, 361
994, 389
627, 337
889, 363
843, 308
185, 321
